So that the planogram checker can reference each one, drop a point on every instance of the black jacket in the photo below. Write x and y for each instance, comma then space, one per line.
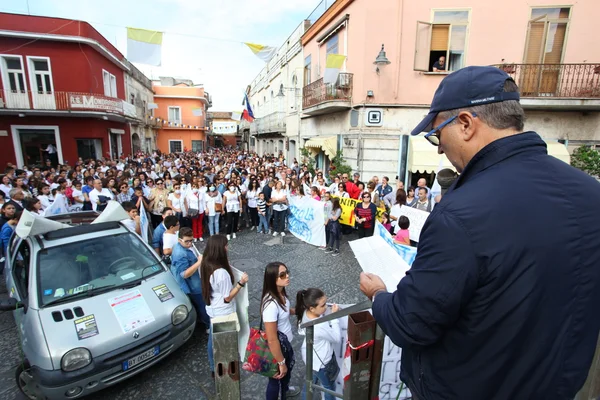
503, 298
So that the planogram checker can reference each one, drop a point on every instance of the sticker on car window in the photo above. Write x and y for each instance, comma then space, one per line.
163, 292
79, 289
48, 292
60, 292
128, 276
131, 310
86, 327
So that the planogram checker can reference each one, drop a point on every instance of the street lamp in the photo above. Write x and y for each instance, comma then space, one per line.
381, 59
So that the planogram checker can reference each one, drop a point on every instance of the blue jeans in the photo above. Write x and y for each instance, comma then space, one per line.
198, 302
326, 376
211, 356
262, 223
213, 224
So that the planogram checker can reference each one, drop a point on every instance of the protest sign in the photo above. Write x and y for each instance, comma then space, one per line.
408, 253
348, 205
144, 223
417, 219
306, 220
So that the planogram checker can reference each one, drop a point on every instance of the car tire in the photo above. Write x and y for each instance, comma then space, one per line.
26, 383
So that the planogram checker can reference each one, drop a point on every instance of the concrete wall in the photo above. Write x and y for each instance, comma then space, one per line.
577, 126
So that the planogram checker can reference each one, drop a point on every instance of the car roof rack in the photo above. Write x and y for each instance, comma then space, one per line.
81, 230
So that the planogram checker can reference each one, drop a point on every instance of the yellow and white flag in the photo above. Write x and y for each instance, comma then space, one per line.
144, 46
265, 53
333, 66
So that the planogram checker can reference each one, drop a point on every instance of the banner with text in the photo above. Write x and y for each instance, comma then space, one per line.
348, 205
417, 219
307, 219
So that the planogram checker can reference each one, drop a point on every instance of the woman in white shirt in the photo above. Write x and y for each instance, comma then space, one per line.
6, 185
231, 203
218, 288
279, 200
214, 209
177, 202
311, 304
275, 311
44, 196
252, 196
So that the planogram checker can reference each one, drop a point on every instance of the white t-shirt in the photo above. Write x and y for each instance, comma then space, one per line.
77, 194
94, 196
252, 196
169, 240
178, 203
221, 285
129, 223
233, 204
279, 195
272, 312
210, 203
326, 336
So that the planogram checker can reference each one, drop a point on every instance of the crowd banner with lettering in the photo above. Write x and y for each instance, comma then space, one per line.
408, 253
307, 220
417, 219
348, 205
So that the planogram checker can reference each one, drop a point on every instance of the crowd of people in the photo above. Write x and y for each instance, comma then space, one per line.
192, 196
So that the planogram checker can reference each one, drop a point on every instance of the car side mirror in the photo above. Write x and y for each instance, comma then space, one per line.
10, 304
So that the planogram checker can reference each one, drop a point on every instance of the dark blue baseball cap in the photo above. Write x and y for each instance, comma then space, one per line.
467, 87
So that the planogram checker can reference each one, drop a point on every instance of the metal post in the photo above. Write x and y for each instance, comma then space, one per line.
376, 365
310, 337
361, 336
227, 360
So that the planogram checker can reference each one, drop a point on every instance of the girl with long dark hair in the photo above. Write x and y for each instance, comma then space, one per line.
252, 196
275, 311
333, 227
311, 304
218, 288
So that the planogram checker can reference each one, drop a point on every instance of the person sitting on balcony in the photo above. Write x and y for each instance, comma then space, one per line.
440, 65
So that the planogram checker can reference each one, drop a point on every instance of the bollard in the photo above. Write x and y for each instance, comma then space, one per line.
227, 360
361, 338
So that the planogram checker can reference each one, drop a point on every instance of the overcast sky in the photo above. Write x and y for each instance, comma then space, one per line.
225, 67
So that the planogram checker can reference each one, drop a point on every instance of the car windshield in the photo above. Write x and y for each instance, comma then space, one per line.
108, 261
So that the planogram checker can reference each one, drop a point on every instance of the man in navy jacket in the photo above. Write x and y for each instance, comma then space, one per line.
502, 300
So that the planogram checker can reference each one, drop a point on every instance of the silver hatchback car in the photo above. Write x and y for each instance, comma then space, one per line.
93, 304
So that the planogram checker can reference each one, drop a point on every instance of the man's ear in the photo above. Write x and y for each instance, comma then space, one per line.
467, 123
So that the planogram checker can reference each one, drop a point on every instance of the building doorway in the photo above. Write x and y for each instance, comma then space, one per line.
33, 145
136, 142
89, 149
116, 145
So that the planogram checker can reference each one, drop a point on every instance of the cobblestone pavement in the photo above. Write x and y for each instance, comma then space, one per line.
185, 373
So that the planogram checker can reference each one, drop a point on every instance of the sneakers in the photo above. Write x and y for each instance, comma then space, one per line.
252, 228
234, 236
282, 233
195, 240
228, 237
323, 248
336, 253
274, 233
202, 240
269, 232
292, 391
328, 250
257, 231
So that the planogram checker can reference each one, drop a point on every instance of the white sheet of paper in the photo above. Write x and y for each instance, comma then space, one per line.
131, 310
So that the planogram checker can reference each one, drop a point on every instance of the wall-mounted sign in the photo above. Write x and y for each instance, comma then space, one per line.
89, 102
374, 117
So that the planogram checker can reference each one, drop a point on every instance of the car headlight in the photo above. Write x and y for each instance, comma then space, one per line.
179, 314
76, 359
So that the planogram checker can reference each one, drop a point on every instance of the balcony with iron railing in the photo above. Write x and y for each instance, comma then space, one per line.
568, 86
271, 123
321, 98
65, 102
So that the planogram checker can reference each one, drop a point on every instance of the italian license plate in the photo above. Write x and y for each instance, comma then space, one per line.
140, 358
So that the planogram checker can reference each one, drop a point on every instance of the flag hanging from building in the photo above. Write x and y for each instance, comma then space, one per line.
265, 53
333, 66
144, 46
197, 112
247, 114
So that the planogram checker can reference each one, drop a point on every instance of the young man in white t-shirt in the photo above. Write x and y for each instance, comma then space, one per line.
170, 236
133, 222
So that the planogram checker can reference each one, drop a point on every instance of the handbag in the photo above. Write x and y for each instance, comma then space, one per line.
258, 358
193, 212
218, 207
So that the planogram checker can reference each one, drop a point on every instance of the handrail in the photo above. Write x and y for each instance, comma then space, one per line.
365, 305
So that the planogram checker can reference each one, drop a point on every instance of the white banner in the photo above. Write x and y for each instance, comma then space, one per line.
408, 253
60, 205
144, 223
307, 220
224, 127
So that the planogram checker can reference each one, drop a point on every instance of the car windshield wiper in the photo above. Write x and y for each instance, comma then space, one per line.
91, 291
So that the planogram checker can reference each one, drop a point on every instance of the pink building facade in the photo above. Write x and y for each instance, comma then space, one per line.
544, 44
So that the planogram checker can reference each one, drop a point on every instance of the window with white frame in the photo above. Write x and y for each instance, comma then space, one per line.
175, 115
41, 75
15, 74
110, 84
175, 146
441, 44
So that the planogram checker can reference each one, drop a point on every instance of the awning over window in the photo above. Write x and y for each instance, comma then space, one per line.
327, 144
559, 151
423, 156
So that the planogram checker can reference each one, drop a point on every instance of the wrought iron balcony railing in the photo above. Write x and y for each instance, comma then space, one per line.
577, 81
318, 92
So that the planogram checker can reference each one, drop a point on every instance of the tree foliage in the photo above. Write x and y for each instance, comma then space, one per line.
586, 159
338, 166
308, 159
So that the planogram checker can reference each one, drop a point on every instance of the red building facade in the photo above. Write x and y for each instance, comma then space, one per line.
61, 83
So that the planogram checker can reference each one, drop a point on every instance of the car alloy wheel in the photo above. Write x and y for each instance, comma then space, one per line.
27, 384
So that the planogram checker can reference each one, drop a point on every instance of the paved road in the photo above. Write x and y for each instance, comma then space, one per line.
185, 374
